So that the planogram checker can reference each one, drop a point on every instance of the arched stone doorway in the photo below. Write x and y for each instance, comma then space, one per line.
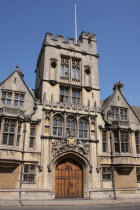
68, 179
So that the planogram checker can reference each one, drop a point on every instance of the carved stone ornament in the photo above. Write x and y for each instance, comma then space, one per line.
71, 143
90, 168
49, 167
40, 168
53, 62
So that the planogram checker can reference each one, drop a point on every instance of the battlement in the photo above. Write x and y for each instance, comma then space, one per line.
88, 36
86, 43
84, 37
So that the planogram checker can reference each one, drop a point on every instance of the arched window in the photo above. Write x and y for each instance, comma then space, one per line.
83, 128
75, 69
6, 126
57, 126
71, 125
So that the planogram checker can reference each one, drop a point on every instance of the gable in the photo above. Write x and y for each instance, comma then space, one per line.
16, 84
118, 100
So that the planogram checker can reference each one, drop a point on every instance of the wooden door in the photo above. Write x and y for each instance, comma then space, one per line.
68, 179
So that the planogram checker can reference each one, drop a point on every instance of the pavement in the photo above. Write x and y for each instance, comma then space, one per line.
67, 202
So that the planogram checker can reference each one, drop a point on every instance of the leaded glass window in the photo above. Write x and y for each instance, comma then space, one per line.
83, 128
57, 126
8, 133
106, 173
29, 174
71, 125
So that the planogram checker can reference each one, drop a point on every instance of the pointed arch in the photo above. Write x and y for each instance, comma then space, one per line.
83, 128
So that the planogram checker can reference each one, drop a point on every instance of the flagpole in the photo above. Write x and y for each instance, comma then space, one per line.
75, 24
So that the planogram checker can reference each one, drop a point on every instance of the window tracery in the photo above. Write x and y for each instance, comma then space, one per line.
71, 125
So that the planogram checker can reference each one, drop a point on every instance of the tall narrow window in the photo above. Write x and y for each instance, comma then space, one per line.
124, 141
32, 136
137, 141
83, 129
138, 173
64, 95
18, 135
116, 141
71, 125
115, 113
64, 68
104, 141
123, 114
75, 96
75, 69
57, 126
47, 125
8, 133
29, 174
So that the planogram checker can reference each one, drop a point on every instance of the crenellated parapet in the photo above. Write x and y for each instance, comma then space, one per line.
86, 44
85, 37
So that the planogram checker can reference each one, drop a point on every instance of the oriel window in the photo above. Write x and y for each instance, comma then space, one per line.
115, 113
123, 114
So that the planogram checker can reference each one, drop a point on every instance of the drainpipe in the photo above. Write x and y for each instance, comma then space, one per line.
22, 159
113, 168
96, 133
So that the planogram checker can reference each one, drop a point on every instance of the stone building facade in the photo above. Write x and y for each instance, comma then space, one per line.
61, 140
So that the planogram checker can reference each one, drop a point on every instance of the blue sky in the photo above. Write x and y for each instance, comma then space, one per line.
23, 24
